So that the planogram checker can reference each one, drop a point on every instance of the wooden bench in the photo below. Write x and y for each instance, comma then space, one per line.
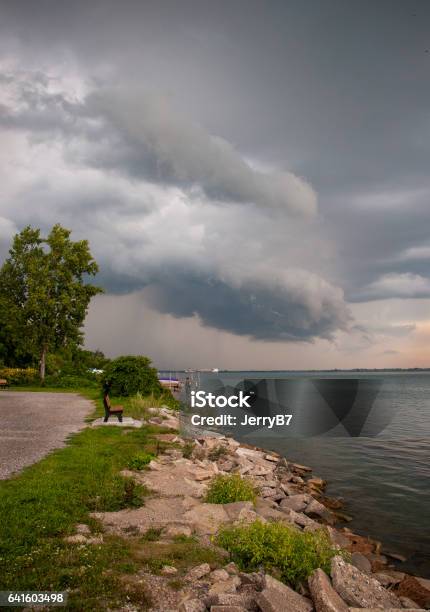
109, 409
3, 383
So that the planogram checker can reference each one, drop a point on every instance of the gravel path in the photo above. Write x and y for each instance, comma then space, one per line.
32, 424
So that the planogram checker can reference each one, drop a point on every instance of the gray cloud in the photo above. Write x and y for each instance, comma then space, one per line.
194, 186
141, 135
394, 285
169, 207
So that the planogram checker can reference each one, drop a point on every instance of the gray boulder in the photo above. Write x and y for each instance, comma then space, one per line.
358, 589
277, 597
361, 562
295, 502
323, 594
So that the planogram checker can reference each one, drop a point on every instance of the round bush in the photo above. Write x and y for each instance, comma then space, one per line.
229, 488
129, 375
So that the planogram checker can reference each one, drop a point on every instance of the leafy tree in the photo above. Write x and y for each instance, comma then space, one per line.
129, 375
44, 293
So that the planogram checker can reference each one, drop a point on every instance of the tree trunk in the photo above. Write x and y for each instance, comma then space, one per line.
42, 364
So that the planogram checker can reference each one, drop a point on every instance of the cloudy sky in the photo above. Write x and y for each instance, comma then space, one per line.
253, 177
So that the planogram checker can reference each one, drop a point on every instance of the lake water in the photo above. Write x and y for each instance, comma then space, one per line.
385, 480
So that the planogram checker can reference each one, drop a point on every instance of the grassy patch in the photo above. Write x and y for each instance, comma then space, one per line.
140, 460
292, 555
180, 554
230, 488
44, 503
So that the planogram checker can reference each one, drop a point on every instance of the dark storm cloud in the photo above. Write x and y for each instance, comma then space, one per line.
141, 135
238, 97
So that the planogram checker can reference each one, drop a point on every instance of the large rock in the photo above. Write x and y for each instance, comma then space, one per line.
192, 605
323, 594
236, 509
358, 589
295, 502
337, 538
242, 599
206, 518
302, 520
225, 586
198, 572
361, 562
277, 597
178, 478
268, 510
315, 508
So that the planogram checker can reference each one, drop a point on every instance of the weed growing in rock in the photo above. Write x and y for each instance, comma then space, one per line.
140, 461
187, 450
230, 488
291, 554
217, 452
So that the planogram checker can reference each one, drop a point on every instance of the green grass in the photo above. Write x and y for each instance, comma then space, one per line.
230, 488
289, 554
181, 554
43, 504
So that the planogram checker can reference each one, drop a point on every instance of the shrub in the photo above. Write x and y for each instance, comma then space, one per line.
230, 488
140, 461
277, 547
129, 375
70, 381
20, 376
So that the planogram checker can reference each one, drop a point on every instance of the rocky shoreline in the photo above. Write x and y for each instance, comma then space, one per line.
288, 492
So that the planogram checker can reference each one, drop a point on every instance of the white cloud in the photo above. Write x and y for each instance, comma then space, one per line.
396, 285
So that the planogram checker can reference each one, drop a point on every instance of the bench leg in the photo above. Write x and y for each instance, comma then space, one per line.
120, 417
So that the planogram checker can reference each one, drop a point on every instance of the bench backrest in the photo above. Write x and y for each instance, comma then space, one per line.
106, 401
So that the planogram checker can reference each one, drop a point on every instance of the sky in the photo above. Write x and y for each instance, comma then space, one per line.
252, 177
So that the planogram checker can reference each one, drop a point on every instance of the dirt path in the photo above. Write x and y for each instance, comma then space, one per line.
32, 424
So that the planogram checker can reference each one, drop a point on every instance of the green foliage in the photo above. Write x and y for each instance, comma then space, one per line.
138, 405
152, 535
187, 449
230, 488
290, 553
19, 376
44, 503
180, 554
43, 293
68, 381
129, 375
140, 460
75, 361
134, 494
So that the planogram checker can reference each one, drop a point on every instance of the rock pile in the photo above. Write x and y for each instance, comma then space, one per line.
288, 493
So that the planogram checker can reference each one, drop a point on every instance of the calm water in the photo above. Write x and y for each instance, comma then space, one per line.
385, 480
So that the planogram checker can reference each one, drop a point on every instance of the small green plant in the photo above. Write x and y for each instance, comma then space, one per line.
217, 452
187, 449
152, 535
277, 547
181, 537
140, 461
230, 488
133, 494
